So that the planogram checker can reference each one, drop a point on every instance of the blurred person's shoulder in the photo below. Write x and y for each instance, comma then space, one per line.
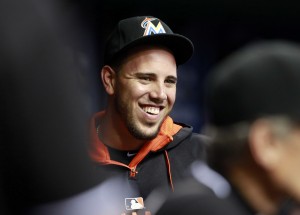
207, 192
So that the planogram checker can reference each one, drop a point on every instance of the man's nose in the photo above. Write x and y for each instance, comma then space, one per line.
158, 92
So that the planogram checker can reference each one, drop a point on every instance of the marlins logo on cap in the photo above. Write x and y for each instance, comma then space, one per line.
151, 28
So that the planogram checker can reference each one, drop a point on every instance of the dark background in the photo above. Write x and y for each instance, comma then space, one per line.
51, 55
216, 28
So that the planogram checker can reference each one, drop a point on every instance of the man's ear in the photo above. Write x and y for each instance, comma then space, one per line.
264, 145
108, 76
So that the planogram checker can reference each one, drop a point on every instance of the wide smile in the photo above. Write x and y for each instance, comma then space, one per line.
151, 112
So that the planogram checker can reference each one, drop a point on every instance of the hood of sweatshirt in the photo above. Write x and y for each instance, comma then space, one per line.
168, 137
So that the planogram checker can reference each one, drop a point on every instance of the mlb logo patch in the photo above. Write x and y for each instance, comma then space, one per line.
134, 203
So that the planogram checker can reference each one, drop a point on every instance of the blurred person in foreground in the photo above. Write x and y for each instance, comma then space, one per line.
253, 110
43, 111
134, 136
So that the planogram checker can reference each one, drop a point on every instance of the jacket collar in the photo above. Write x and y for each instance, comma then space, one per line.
99, 151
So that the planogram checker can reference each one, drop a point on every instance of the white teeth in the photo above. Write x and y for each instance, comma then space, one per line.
151, 110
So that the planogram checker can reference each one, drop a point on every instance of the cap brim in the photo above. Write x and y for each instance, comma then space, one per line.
180, 46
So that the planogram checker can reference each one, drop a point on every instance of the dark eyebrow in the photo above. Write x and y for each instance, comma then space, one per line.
153, 74
144, 74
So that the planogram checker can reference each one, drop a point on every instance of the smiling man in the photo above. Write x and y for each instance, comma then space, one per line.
134, 136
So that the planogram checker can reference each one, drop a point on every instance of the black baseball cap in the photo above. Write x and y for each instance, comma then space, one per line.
135, 31
261, 79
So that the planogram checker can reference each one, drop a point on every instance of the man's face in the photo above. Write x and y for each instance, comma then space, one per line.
145, 91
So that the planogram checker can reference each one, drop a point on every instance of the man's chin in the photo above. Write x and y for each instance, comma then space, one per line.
144, 134
144, 131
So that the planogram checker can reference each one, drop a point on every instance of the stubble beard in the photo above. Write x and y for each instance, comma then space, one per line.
133, 128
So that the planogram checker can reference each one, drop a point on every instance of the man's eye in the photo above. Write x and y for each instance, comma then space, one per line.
145, 78
170, 81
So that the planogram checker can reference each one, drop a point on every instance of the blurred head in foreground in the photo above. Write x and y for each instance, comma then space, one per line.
253, 111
